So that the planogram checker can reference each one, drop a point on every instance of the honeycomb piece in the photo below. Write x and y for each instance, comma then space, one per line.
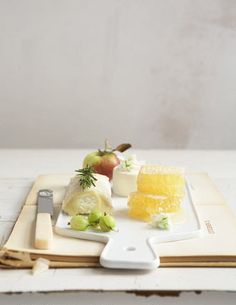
144, 206
161, 180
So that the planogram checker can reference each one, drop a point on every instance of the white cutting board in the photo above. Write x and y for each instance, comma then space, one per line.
131, 247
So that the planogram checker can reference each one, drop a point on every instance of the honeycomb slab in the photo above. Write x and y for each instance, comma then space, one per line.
144, 206
160, 189
161, 180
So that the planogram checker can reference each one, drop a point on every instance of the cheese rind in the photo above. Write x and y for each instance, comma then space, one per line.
79, 201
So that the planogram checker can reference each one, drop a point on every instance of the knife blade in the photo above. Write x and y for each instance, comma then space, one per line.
43, 228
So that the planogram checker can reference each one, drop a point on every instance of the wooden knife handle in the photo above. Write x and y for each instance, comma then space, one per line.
43, 231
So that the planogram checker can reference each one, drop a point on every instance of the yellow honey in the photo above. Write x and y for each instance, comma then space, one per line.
160, 189
143, 206
161, 180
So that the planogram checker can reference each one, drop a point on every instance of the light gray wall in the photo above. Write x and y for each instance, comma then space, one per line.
157, 73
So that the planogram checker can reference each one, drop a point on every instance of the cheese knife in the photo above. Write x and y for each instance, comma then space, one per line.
43, 228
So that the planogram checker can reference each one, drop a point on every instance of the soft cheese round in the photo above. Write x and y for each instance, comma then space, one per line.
124, 183
125, 176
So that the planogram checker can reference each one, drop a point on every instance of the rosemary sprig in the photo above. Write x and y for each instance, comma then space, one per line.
86, 177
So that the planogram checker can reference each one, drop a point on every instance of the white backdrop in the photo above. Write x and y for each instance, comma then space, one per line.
157, 73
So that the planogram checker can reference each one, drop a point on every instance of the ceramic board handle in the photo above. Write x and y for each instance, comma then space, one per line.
129, 255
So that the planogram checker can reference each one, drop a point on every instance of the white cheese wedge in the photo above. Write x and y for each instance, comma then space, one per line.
40, 265
79, 201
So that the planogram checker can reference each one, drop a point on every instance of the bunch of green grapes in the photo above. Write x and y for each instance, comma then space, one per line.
102, 222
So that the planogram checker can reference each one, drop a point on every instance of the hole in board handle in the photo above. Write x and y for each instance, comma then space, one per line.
130, 248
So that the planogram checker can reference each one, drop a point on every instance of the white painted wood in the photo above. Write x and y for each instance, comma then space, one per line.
5, 229
101, 279
221, 165
117, 298
30, 163
12, 196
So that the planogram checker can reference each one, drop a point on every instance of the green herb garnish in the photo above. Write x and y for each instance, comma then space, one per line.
127, 164
87, 178
161, 221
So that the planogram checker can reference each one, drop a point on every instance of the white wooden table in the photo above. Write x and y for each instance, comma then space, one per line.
17, 166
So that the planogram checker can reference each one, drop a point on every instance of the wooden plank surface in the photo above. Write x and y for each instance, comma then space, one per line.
13, 192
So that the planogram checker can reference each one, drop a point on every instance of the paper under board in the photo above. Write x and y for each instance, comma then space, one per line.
216, 246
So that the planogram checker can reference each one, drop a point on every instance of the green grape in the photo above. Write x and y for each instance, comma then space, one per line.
79, 223
107, 223
94, 217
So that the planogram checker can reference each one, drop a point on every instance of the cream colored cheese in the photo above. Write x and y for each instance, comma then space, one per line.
40, 265
125, 176
124, 182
